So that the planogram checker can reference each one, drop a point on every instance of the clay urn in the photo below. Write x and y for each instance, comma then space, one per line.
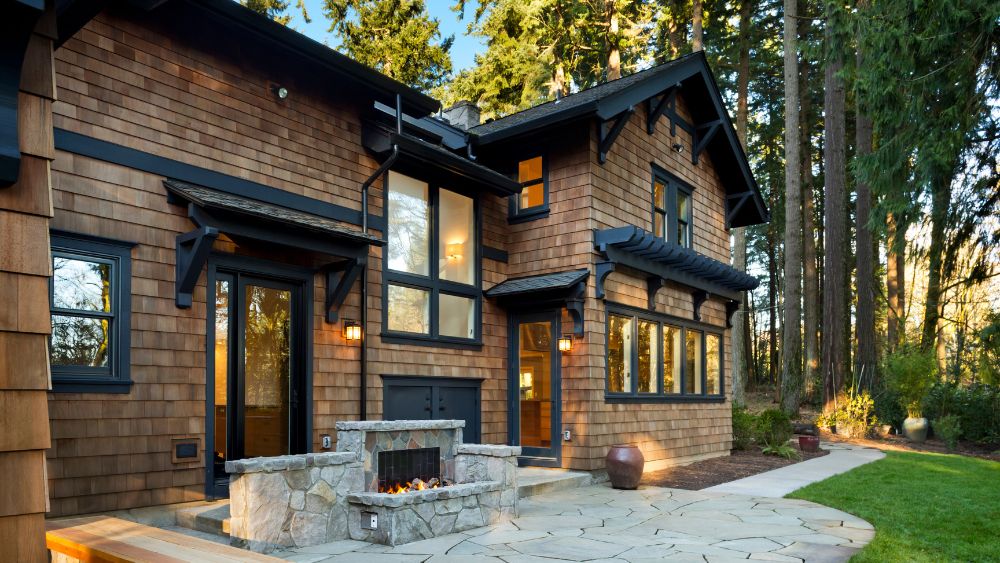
809, 443
625, 463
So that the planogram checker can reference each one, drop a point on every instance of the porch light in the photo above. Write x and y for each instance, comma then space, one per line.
678, 148
352, 331
565, 343
280, 91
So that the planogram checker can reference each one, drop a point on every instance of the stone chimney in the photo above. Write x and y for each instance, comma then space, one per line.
463, 115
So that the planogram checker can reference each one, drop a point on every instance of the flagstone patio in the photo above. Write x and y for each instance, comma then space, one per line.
598, 523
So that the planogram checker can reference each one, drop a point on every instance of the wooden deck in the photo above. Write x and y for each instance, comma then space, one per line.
103, 539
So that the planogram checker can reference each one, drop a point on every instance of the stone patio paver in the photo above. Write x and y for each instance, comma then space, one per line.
650, 524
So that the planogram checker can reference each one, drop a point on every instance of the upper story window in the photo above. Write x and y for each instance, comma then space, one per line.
432, 282
655, 357
671, 209
533, 201
90, 300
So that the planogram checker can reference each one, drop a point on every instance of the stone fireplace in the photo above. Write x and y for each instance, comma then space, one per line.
309, 499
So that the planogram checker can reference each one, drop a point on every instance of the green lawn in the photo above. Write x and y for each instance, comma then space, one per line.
925, 507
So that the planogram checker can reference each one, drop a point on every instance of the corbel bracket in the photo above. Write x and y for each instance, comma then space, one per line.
20, 17
658, 107
601, 273
731, 308
192, 253
703, 134
653, 285
740, 200
609, 133
698, 297
340, 277
575, 309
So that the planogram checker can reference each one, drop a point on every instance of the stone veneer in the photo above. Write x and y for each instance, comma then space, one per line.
367, 438
310, 499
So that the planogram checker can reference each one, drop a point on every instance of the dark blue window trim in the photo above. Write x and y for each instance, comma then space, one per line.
672, 184
517, 215
116, 377
432, 283
633, 396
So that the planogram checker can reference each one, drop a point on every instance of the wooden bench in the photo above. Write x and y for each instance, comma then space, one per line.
103, 539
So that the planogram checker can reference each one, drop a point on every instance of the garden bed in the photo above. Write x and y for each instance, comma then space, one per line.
898, 443
715, 471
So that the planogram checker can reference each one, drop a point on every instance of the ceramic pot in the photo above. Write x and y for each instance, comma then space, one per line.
915, 429
625, 463
809, 443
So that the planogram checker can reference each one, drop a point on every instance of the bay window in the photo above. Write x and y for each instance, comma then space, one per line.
429, 224
654, 357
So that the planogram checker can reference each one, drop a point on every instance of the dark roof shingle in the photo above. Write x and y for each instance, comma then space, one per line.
539, 283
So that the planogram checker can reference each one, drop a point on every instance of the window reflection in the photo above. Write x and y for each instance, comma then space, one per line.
619, 354
409, 309
408, 225
648, 356
692, 372
456, 253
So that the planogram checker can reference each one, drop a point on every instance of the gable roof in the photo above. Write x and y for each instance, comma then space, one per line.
744, 203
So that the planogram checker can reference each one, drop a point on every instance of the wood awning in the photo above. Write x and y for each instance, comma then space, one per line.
556, 289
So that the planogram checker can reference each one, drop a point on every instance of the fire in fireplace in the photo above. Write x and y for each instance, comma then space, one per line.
401, 471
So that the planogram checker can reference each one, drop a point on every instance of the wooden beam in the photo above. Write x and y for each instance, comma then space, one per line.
192, 254
601, 272
340, 278
653, 285
698, 297
609, 135
667, 100
702, 136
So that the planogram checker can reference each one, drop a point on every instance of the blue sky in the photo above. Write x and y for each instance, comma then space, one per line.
463, 50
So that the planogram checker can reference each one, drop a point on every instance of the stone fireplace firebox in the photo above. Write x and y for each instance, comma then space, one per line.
302, 500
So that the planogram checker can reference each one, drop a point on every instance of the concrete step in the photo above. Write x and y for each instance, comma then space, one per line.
211, 518
533, 481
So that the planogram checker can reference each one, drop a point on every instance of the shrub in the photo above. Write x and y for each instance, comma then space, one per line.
977, 407
910, 373
783, 450
856, 417
948, 428
888, 409
773, 428
743, 428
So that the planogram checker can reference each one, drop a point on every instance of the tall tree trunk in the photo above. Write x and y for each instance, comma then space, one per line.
864, 359
940, 201
893, 314
810, 274
739, 331
696, 31
772, 310
674, 35
835, 218
791, 337
614, 53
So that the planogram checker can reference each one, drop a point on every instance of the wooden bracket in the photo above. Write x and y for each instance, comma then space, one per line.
608, 135
667, 101
340, 278
602, 271
703, 134
653, 285
575, 309
741, 199
192, 254
698, 297
731, 308
16, 28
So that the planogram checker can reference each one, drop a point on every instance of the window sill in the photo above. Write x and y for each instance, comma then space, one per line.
529, 215
91, 385
430, 341
659, 399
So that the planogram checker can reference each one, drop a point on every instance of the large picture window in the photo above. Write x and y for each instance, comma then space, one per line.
658, 357
90, 298
671, 209
428, 224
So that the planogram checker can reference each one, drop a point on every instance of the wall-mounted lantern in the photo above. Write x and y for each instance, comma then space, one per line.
352, 331
279, 91
565, 343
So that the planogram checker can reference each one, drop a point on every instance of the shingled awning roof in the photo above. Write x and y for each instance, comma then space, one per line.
535, 293
556, 281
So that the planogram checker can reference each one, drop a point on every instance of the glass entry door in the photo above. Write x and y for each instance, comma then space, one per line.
257, 369
535, 385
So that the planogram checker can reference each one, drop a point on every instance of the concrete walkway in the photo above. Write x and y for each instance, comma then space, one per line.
779, 482
598, 523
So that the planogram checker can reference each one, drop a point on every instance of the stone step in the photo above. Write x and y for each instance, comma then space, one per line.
533, 481
211, 518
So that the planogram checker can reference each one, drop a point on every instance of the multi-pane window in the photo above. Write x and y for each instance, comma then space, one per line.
534, 197
653, 356
89, 295
430, 225
671, 209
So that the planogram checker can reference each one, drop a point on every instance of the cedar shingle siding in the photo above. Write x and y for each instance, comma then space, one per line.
135, 81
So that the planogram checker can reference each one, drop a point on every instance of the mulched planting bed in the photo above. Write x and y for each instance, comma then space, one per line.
715, 471
895, 442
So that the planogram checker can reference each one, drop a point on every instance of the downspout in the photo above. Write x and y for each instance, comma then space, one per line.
363, 395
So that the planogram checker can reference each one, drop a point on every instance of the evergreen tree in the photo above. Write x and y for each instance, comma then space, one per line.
277, 10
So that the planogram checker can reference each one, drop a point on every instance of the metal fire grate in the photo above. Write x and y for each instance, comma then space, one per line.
402, 466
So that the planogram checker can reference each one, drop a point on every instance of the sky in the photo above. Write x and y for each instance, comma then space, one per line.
463, 50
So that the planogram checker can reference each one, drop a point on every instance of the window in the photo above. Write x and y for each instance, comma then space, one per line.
671, 209
429, 225
90, 299
533, 201
673, 359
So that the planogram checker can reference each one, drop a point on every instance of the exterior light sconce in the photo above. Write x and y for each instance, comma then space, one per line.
678, 148
279, 91
352, 331
565, 343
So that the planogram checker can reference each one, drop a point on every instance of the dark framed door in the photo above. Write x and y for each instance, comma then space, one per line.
425, 398
535, 412
258, 364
